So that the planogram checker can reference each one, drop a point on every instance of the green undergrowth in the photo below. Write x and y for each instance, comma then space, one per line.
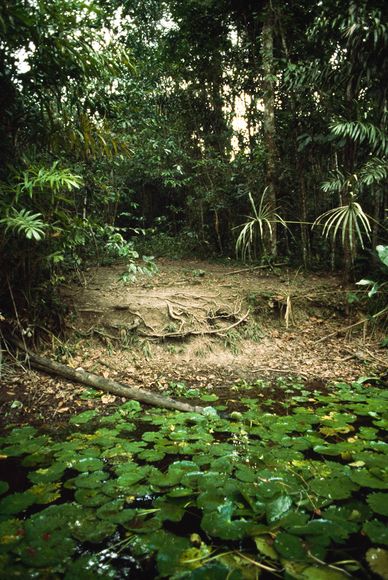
289, 489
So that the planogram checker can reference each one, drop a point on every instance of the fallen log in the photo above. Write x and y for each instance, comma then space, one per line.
108, 385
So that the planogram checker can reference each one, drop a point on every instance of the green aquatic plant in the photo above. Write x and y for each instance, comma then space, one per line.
286, 489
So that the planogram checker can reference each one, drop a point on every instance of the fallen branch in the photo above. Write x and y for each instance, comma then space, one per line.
219, 331
251, 268
345, 328
108, 385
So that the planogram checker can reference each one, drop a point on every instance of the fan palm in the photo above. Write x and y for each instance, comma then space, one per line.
257, 228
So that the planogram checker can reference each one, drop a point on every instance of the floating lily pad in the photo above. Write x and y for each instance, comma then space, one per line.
88, 464
90, 497
367, 478
333, 488
89, 568
45, 492
169, 548
219, 523
278, 508
114, 512
289, 546
92, 480
11, 533
4, 487
48, 474
151, 455
376, 531
47, 540
377, 559
83, 418
169, 509
90, 528
378, 502
16, 503
209, 398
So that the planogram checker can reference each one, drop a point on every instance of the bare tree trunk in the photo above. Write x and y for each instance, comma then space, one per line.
269, 116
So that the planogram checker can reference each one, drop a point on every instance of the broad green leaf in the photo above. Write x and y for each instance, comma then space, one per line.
90, 528
4, 487
378, 502
289, 547
219, 523
377, 531
16, 503
83, 418
90, 568
377, 559
278, 508
366, 478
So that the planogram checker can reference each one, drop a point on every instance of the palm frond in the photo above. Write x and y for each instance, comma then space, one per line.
350, 219
257, 226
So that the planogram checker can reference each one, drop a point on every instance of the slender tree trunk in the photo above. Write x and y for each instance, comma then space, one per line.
269, 116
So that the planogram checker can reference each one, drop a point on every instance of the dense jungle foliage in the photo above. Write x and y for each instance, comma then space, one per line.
195, 126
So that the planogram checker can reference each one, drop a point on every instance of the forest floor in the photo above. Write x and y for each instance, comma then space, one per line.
197, 325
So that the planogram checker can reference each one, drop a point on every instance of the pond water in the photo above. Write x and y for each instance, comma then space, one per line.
285, 481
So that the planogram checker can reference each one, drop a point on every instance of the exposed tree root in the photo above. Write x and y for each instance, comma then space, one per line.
180, 335
108, 385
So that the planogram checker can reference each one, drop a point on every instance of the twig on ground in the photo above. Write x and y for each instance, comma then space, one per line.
345, 328
252, 268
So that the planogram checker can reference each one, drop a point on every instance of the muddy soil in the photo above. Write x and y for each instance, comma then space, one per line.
202, 324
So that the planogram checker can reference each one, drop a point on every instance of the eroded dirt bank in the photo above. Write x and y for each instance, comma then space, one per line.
202, 324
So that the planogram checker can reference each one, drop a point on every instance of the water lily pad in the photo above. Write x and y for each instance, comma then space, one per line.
323, 527
91, 480
89, 568
376, 531
367, 433
87, 464
289, 547
169, 509
264, 546
219, 523
90, 497
90, 528
4, 487
209, 398
377, 559
47, 539
83, 418
378, 502
45, 492
367, 478
113, 511
333, 488
11, 533
278, 508
169, 549
50, 549
16, 503
48, 474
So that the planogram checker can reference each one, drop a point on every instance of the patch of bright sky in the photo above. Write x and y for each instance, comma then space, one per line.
21, 58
